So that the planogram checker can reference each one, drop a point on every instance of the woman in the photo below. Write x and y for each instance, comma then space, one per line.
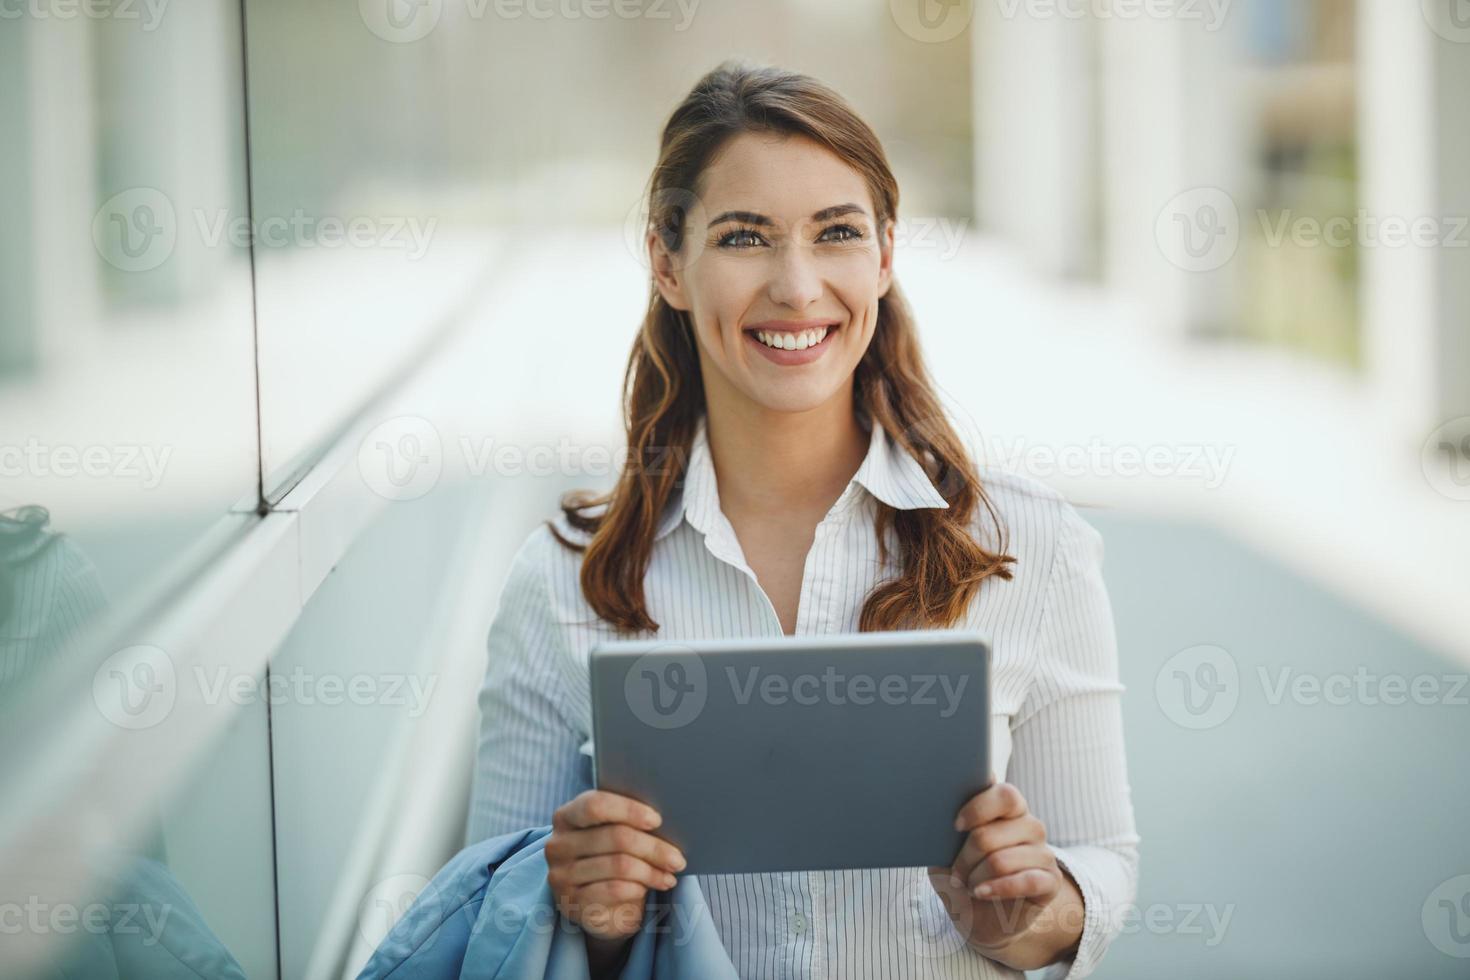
792, 472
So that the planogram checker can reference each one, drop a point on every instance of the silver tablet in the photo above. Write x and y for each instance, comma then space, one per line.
798, 753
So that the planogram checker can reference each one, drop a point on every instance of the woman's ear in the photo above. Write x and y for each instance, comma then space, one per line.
885, 251
668, 274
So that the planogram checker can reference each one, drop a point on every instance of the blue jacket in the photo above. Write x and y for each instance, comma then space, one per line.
490, 913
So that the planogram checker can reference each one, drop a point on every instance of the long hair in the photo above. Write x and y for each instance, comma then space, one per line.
942, 563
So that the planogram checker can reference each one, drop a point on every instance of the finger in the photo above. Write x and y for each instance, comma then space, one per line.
1011, 860
595, 807
617, 867
1033, 883
619, 838
996, 803
995, 836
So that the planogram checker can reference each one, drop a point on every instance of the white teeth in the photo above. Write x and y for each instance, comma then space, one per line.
792, 341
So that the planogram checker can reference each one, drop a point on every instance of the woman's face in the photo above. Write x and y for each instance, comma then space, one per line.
781, 249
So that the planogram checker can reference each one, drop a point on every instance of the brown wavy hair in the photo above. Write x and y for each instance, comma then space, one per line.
663, 392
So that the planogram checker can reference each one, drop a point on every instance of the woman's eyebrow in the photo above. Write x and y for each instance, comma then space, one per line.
755, 218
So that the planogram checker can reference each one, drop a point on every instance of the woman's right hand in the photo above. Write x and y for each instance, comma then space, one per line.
602, 859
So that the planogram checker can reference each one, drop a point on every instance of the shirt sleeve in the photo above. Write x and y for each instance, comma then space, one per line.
528, 761
1067, 744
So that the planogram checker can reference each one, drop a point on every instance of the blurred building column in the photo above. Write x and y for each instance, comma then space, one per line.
1035, 131
1452, 163
48, 300
1402, 112
1175, 162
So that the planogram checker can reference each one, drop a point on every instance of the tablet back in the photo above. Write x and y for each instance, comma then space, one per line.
798, 753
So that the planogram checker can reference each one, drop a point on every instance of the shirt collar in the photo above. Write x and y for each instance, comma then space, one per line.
888, 472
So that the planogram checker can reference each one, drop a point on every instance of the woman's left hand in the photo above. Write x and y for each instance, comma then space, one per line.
1004, 857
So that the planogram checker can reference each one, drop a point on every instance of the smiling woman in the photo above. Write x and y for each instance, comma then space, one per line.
818, 488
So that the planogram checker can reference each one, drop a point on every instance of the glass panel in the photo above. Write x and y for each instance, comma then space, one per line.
127, 432
127, 403
359, 253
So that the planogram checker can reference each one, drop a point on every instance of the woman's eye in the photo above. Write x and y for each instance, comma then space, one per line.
740, 238
841, 233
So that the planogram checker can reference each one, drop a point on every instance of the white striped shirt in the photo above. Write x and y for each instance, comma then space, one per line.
1056, 728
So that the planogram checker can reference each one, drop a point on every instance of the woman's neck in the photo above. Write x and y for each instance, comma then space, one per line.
786, 463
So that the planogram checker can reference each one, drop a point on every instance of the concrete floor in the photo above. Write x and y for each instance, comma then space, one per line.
1289, 838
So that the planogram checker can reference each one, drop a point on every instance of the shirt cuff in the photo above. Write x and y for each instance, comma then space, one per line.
1101, 917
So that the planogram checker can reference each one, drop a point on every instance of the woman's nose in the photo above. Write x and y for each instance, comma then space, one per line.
794, 280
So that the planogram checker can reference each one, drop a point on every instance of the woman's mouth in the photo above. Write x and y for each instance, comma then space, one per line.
792, 342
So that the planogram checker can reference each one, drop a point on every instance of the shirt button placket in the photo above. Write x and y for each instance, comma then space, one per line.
818, 934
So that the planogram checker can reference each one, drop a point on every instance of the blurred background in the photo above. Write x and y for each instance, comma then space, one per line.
309, 310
